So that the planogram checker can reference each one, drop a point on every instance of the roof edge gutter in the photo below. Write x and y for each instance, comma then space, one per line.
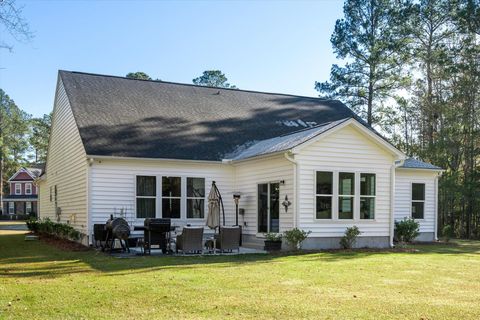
91, 158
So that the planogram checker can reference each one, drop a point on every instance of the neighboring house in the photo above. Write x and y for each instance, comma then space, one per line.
22, 196
152, 149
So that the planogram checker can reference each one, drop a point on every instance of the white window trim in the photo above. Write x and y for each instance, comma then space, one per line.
356, 212
28, 207
332, 195
18, 185
354, 195
367, 196
183, 192
195, 198
423, 201
146, 197
11, 207
28, 190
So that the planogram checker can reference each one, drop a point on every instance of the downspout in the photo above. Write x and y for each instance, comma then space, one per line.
295, 189
436, 207
392, 202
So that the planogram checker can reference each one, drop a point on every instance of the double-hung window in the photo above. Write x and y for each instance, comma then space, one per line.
28, 207
28, 188
346, 195
367, 196
418, 200
11, 207
324, 195
146, 196
171, 197
195, 198
18, 188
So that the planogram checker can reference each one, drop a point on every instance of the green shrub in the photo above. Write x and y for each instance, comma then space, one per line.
447, 233
271, 236
295, 237
350, 237
406, 230
59, 230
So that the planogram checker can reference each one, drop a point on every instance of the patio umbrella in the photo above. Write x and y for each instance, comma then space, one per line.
214, 203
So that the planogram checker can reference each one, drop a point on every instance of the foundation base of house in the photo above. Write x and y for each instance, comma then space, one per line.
314, 243
426, 237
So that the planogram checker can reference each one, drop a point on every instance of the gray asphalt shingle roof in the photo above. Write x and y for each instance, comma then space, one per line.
412, 163
282, 143
153, 119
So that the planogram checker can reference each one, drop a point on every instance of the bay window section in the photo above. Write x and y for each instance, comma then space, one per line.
346, 195
146, 196
324, 195
195, 198
367, 195
171, 197
418, 200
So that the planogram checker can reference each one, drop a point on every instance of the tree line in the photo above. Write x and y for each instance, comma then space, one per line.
412, 70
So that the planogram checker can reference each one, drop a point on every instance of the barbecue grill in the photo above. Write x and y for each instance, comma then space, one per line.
156, 232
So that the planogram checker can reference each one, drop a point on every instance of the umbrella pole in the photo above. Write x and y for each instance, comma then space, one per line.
221, 200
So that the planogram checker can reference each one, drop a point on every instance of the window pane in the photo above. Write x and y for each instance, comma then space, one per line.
171, 208
146, 186
367, 184
367, 208
324, 182
145, 208
196, 187
417, 210
262, 207
274, 207
345, 207
324, 207
171, 187
418, 191
346, 183
195, 208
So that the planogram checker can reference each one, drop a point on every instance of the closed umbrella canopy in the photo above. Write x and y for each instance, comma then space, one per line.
214, 202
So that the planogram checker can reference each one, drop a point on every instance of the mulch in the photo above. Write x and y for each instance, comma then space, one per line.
63, 244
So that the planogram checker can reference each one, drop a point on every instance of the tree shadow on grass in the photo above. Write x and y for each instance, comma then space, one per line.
19, 258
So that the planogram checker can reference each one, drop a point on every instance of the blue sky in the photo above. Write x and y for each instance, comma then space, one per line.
267, 46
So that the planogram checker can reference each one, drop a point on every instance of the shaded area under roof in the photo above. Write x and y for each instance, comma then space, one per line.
153, 119
412, 163
282, 143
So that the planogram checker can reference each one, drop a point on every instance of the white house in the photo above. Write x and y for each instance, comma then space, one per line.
152, 149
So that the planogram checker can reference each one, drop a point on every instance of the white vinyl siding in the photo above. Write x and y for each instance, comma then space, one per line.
249, 174
67, 168
112, 187
345, 150
403, 196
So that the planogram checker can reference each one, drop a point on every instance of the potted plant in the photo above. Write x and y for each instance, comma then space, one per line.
273, 241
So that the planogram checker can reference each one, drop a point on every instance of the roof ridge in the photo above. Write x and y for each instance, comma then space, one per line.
201, 87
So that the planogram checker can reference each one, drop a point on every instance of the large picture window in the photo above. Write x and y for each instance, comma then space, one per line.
324, 195
146, 196
195, 198
418, 200
367, 195
171, 197
346, 195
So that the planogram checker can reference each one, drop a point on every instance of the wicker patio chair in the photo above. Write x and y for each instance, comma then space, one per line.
229, 239
191, 240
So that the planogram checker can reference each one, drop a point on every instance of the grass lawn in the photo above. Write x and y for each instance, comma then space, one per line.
40, 282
